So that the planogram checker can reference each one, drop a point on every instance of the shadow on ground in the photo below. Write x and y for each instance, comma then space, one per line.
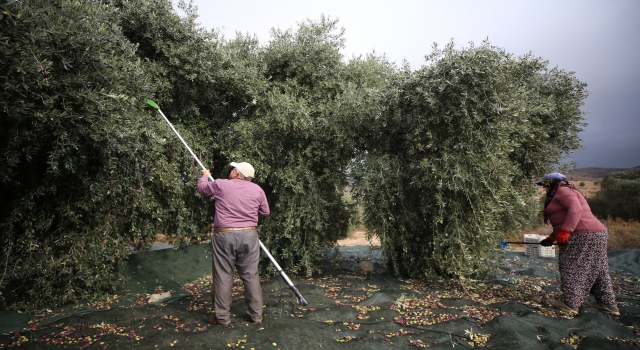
355, 304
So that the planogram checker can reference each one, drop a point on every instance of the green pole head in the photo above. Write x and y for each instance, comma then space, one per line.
151, 103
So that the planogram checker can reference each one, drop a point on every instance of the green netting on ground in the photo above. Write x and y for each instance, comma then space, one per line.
349, 308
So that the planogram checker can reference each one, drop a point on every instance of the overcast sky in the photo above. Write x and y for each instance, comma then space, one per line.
599, 40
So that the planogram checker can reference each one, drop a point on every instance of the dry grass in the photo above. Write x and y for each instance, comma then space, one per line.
623, 234
358, 237
160, 238
588, 187
543, 230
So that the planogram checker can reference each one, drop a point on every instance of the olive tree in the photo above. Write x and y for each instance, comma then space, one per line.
300, 138
203, 84
447, 171
77, 151
85, 171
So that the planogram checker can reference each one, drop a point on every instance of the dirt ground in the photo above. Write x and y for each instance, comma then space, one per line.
358, 238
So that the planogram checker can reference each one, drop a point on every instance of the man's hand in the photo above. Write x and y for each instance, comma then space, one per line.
563, 237
547, 242
206, 172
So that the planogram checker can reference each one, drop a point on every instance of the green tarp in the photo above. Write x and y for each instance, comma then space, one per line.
349, 308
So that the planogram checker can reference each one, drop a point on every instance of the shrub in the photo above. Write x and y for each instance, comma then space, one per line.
619, 196
581, 184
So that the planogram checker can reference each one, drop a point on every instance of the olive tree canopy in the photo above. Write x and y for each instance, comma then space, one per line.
446, 172
441, 158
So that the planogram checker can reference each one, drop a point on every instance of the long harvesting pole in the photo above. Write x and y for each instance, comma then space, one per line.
301, 300
524, 242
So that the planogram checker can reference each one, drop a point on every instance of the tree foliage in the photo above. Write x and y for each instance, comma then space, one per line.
441, 157
77, 155
619, 196
85, 171
299, 138
446, 173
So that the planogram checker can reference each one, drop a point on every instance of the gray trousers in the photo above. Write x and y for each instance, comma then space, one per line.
242, 250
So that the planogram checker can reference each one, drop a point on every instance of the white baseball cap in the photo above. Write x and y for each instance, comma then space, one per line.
244, 168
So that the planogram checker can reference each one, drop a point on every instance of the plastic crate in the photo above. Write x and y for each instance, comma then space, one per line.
548, 252
532, 249
535, 249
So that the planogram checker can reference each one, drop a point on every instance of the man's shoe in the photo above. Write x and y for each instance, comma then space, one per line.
563, 307
212, 320
606, 308
248, 318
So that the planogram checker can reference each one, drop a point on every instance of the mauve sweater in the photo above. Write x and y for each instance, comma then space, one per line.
569, 211
239, 203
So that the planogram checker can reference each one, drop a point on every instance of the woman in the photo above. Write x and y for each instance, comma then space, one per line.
583, 262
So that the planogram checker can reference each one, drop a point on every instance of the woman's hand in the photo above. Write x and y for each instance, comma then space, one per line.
547, 242
563, 237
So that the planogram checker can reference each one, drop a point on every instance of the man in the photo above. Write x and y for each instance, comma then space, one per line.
239, 204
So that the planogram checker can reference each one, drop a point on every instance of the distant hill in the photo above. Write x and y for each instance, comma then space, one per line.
592, 173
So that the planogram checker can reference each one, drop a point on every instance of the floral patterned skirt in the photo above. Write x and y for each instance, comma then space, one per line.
584, 269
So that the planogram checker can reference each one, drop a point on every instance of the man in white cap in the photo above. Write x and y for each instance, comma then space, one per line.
239, 204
